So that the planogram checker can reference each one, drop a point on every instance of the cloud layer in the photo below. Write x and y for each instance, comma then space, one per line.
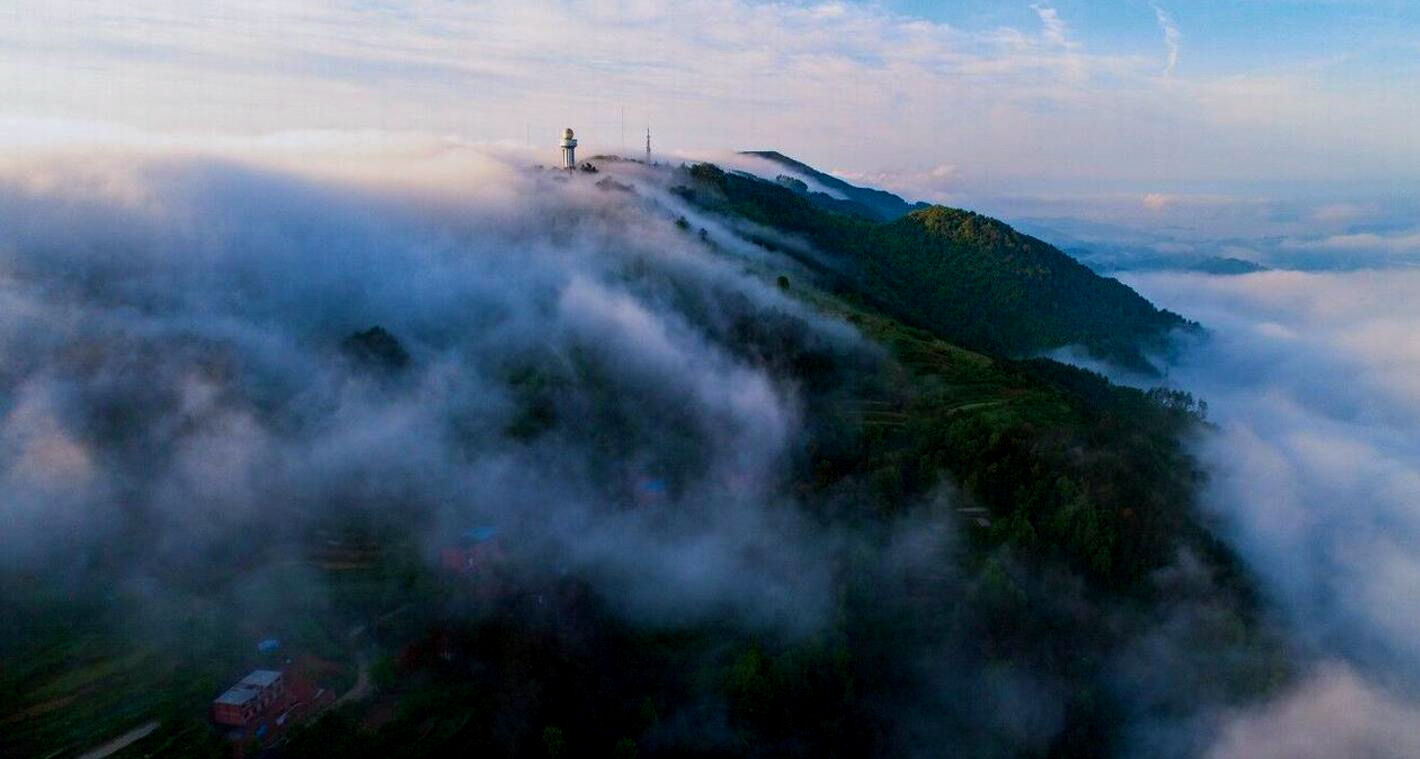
175, 376
1312, 380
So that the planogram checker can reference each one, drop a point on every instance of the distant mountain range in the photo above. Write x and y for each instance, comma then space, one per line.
1110, 248
1220, 265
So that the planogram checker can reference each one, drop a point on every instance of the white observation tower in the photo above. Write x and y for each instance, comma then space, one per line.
569, 149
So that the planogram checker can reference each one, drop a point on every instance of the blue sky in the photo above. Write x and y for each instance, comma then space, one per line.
1224, 34
1112, 110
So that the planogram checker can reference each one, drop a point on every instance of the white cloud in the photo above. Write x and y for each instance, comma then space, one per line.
1333, 714
237, 282
1156, 201
935, 185
1404, 242
1314, 384
842, 84
1337, 213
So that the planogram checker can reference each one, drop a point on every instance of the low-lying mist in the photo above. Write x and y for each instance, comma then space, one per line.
194, 398
193, 395
175, 375
1314, 386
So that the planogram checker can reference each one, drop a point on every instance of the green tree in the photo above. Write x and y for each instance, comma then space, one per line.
625, 749
553, 742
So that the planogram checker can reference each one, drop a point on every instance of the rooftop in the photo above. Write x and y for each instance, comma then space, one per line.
261, 678
238, 694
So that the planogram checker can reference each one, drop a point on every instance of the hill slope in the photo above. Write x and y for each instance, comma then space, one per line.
970, 278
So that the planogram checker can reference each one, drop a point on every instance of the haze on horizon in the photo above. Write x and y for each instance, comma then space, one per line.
1221, 121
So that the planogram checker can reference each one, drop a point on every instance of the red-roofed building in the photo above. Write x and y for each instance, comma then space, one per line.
242, 702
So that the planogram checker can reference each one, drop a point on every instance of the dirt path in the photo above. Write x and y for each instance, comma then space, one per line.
121, 742
361, 689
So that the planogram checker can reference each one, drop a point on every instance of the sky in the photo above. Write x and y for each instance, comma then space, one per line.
942, 96
1152, 115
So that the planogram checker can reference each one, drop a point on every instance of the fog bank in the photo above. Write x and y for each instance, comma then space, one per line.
1314, 385
175, 377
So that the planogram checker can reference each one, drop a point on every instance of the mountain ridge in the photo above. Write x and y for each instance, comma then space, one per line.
872, 202
967, 277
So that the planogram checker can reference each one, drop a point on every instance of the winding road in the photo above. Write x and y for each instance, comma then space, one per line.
121, 742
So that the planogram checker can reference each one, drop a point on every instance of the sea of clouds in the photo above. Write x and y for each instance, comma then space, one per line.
1313, 381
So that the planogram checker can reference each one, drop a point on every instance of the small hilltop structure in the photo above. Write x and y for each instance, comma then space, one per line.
569, 153
568, 145
569, 149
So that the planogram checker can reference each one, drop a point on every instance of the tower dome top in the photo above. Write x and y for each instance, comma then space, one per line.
567, 133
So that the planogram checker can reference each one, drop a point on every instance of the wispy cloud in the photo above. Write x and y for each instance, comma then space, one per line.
1056, 31
1171, 37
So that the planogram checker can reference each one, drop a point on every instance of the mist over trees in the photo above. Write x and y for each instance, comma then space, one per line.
739, 510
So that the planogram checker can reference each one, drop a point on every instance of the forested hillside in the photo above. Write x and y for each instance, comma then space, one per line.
968, 277
567, 476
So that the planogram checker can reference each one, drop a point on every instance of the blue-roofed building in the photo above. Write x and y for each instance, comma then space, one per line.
475, 549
